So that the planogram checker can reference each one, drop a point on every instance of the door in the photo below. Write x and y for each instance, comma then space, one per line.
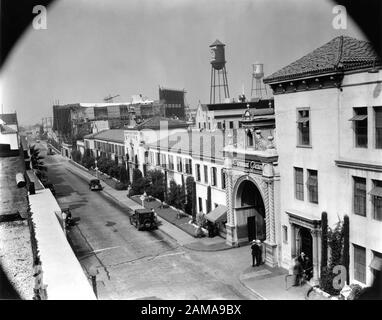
306, 242
251, 223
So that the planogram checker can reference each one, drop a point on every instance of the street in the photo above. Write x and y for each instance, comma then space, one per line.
136, 264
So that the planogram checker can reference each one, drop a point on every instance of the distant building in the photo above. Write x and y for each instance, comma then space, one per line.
108, 143
174, 102
9, 131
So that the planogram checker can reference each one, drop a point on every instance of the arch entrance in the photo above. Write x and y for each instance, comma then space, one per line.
250, 212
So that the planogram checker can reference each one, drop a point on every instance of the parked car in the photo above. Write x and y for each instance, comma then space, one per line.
143, 219
95, 184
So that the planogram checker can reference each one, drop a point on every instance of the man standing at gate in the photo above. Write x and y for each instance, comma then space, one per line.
255, 253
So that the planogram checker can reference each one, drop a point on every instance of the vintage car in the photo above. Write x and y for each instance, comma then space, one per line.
143, 219
95, 184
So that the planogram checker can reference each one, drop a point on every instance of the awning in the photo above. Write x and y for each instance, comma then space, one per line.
219, 214
359, 117
376, 263
303, 120
376, 191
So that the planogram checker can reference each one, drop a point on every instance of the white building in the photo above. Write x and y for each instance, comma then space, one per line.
226, 115
329, 131
9, 130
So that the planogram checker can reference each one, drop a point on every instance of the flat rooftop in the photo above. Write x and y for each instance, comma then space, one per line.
16, 257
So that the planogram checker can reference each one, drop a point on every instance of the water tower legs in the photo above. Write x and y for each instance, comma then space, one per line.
219, 85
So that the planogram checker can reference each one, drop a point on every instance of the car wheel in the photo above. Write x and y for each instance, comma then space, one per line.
131, 220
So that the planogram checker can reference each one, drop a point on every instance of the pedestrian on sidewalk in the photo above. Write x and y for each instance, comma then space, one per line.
255, 252
297, 272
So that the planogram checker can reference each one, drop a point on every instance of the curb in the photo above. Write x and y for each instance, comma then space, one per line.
206, 249
251, 290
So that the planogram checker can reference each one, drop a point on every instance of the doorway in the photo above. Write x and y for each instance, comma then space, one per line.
250, 212
305, 242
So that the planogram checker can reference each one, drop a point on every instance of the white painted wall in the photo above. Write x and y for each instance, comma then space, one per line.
11, 139
332, 138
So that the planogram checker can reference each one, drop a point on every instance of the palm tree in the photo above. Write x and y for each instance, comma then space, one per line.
36, 161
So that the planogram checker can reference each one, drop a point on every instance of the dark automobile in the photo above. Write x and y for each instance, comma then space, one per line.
95, 184
143, 219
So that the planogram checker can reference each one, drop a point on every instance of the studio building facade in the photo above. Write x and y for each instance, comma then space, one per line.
239, 165
329, 128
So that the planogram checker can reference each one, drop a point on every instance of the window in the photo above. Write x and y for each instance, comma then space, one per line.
197, 172
219, 125
231, 124
312, 185
223, 178
171, 162
188, 166
158, 158
200, 204
303, 127
213, 176
163, 160
209, 126
376, 194
285, 234
359, 196
240, 124
199, 125
205, 174
360, 127
374, 269
179, 165
299, 183
378, 127
359, 263
204, 124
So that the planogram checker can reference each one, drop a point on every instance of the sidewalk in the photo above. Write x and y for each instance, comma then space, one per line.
264, 282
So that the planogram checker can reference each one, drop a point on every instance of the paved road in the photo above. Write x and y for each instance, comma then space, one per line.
138, 264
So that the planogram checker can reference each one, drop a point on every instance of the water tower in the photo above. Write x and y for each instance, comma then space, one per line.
219, 83
259, 89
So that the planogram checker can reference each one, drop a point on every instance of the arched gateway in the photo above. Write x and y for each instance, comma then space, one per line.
252, 200
250, 211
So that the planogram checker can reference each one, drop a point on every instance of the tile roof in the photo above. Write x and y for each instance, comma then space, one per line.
341, 53
115, 135
9, 118
190, 141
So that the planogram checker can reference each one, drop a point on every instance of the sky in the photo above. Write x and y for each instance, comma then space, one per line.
93, 48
